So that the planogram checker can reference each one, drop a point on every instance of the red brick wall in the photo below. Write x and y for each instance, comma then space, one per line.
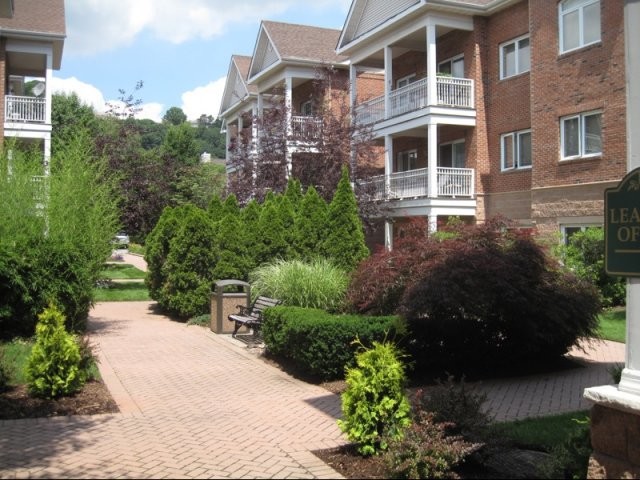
507, 102
368, 86
579, 81
300, 94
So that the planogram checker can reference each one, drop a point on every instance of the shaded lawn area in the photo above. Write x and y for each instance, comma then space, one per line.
121, 292
613, 324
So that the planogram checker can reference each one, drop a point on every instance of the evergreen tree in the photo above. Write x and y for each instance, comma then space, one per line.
294, 193
344, 242
192, 258
310, 228
215, 210
287, 217
157, 249
233, 260
230, 206
272, 243
249, 220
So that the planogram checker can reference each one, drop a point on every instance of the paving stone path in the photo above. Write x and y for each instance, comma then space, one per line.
193, 405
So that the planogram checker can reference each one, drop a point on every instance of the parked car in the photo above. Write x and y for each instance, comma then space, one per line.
121, 240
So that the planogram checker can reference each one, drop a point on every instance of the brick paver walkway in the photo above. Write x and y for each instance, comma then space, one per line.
193, 405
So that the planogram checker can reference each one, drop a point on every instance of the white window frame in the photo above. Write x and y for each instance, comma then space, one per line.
407, 78
451, 61
515, 148
400, 158
516, 42
304, 106
453, 144
580, 9
582, 135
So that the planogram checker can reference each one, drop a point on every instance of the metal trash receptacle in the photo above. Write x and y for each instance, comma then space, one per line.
225, 302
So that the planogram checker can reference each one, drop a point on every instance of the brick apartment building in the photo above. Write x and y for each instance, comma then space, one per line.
32, 34
487, 107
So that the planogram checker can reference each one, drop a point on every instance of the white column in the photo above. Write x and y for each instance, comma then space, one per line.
288, 102
47, 155
388, 80
49, 88
353, 85
227, 141
432, 93
388, 162
630, 381
432, 160
433, 223
388, 235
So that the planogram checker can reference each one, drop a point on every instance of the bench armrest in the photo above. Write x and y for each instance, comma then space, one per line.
243, 310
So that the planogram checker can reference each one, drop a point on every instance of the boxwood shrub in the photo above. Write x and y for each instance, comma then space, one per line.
321, 344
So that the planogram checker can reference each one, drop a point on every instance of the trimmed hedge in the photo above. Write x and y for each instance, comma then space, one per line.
322, 345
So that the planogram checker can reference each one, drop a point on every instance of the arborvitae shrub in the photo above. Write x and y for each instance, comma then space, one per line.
310, 228
374, 405
345, 244
157, 249
53, 368
190, 264
233, 260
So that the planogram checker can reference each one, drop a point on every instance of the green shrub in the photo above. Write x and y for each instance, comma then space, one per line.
53, 368
584, 255
345, 243
157, 250
314, 284
375, 408
427, 451
320, 344
570, 459
200, 320
189, 267
5, 371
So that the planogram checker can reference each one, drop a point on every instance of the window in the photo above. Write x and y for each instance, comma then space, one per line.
515, 57
306, 109
453, 66
579, 23
404, 81
406, 160
569, 230
515, 150
581, 135
452, 154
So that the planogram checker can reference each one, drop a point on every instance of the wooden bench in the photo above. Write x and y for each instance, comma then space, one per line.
251, 317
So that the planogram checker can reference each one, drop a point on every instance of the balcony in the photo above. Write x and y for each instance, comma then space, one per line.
451, 92
452, 183
25, 109
306, 127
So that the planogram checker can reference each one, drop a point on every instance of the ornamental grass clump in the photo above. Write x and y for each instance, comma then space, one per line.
314, 284
54, 366
375, 407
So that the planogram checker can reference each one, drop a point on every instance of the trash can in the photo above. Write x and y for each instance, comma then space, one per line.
224, 300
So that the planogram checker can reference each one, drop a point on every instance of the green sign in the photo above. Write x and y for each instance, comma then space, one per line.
622, 227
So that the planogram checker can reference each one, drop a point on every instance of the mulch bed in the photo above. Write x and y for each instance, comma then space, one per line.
94, 398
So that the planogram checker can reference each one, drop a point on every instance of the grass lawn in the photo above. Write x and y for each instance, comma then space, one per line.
542, 432
613, 324
15, 355
122, 292
121, 271
136, 248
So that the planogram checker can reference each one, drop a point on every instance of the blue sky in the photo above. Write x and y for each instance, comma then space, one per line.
180, 49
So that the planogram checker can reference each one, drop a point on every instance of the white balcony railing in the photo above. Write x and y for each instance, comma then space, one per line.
24, 109
452, 183
306, 127
451, 92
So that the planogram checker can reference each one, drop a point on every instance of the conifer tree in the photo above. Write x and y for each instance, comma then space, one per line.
287, 217
233, 260
193, 255
345, 243
249, 220
294, 193
272, 243
157, 249
215, 208
230, 206
310, 225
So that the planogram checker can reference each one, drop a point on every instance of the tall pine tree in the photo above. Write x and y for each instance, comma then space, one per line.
345, 244
310, 226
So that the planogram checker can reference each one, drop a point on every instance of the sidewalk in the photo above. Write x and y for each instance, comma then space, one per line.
193, 405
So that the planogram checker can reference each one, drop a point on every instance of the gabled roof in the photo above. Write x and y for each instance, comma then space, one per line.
37, 19
366, 15
236, 87
291, 43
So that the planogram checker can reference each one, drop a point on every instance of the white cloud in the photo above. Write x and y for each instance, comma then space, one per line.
203, 100
152, 111
88, 94
101, 25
